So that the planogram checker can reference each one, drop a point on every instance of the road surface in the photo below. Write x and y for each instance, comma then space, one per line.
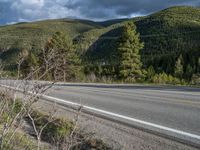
177, 108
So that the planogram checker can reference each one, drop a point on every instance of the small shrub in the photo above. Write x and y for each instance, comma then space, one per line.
92, 144
55, 131
195, 79
91, 78
163, 78
19, 141
10, 108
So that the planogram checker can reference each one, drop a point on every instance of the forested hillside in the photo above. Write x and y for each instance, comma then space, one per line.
166, 35
171, 40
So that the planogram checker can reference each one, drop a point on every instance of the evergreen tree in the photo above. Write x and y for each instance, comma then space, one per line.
178, 72
59, 54
30, 65
130, 66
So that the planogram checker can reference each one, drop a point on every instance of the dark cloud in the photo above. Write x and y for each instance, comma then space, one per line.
31, 10
119, 8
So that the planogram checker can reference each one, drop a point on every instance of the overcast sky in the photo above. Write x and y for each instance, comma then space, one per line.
12, 11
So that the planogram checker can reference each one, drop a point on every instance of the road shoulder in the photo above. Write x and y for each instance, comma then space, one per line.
116, 135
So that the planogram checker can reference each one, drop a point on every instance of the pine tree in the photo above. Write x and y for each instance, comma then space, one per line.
178, 72
130, 66
30, 66
59, 53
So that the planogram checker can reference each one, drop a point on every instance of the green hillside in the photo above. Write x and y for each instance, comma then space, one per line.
166, 35
170, 32
111, 22
36, 32
28, 35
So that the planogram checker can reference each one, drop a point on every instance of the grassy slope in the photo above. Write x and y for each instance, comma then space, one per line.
41, 30
111, 22
28, 35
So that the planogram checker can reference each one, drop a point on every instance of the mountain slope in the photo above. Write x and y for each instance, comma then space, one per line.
28, 35
166, 35
111, 22
36, 32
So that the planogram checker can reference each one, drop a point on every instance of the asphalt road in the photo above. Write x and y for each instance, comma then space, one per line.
173, 107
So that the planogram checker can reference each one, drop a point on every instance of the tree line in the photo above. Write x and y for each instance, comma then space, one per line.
68, 65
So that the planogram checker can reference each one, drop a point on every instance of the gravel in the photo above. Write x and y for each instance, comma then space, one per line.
116, 135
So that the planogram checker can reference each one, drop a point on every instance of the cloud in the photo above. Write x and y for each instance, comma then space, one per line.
119, 8
31, 10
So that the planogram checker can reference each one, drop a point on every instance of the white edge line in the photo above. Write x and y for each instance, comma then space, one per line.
117, 115
127, 118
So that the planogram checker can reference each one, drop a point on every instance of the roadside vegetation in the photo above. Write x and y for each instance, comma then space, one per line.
22, 126
27, 128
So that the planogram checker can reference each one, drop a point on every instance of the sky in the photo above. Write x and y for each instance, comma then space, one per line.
13, 11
